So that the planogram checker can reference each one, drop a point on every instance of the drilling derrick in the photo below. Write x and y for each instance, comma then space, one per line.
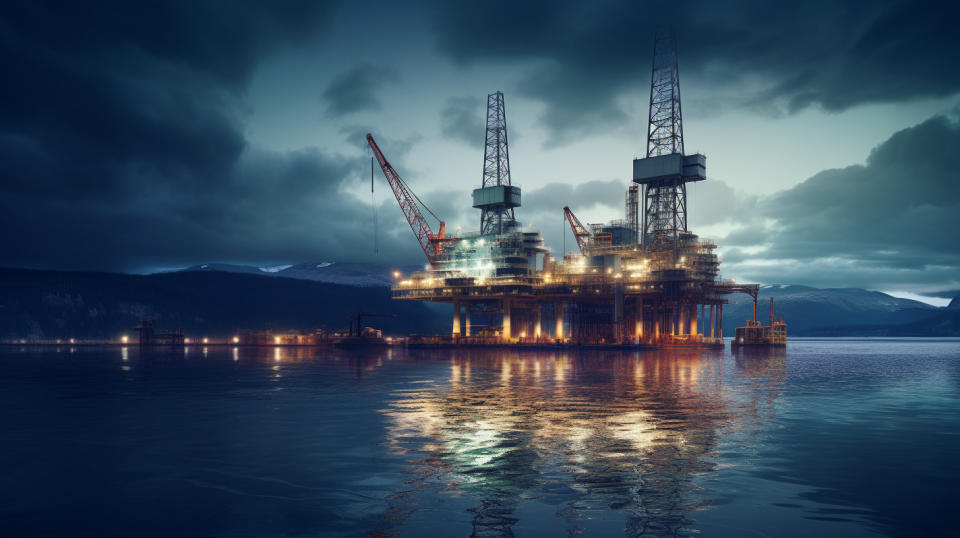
665, 170
496, 198
641, 280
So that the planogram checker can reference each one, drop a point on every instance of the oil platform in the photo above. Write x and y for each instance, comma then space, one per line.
644, 280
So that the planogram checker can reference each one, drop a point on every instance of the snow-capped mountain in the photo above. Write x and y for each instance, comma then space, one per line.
823, 311
349, 274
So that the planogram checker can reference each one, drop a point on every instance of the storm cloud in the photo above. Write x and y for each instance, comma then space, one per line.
462, 119
121, 134
775, 58
889, 223
356, 90
129, 134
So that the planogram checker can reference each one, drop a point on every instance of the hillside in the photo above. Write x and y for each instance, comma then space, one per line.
833, 311
346, 273
51, 304
217, 300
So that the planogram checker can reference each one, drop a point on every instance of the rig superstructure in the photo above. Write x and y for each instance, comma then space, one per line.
643, 280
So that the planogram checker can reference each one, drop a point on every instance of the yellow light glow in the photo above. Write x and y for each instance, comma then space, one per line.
396, 274
276, 339
206, 340
186, 340
124, 339
236, 339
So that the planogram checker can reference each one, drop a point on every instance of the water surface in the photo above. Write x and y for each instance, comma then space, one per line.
829, 438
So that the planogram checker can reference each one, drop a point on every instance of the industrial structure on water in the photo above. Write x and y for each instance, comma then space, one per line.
643, 280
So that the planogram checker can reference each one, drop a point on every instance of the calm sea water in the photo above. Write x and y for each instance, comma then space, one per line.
830, 438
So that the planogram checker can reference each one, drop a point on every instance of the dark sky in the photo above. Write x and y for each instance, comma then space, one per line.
137, 138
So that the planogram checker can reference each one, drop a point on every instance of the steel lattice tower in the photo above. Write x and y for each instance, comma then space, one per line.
496, 166
664, 179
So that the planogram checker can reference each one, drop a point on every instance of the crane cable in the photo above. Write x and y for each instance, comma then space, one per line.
408, 189
417, 198
373, 205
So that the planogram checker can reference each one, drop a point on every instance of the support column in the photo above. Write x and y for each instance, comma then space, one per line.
683, 314
720, 320
558, 312
694, 325
618, 324
539, 321
456, 318
506, 318
466, 307
713, 319
638, 329
657, 317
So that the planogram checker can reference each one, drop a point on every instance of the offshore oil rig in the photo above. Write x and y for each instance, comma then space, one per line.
644, 280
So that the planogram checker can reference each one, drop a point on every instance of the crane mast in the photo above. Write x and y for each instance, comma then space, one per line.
580, 231
430, 242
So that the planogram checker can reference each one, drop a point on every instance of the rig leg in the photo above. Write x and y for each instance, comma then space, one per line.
693, 320
713, 320
658, 315
558, 312
539, 319
506, 319
638, 331
466, 307
456, 318
720, 320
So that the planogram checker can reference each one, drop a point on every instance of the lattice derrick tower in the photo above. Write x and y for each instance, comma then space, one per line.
665, 198
496, 165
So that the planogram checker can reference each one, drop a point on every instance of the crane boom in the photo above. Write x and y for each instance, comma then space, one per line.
430, 242
580, 232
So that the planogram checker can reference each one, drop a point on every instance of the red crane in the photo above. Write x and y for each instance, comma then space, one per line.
580, 232
431, 243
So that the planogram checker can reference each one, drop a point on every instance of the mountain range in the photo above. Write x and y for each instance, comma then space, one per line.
218, 299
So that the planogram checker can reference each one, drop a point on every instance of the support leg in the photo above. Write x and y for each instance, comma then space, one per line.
539, 319
638, 329
506, 319
558, 311
456, 318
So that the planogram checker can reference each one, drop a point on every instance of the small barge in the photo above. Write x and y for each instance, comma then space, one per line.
757, 334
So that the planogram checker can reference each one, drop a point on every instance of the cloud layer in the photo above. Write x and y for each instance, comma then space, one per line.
887, 224
775, 58
356, 89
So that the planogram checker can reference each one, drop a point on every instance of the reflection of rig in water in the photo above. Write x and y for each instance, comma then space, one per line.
510, 427
643, 280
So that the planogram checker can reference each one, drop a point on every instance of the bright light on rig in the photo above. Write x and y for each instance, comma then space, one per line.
396, 274
206, 340
124, 339
236, 339
276, 339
